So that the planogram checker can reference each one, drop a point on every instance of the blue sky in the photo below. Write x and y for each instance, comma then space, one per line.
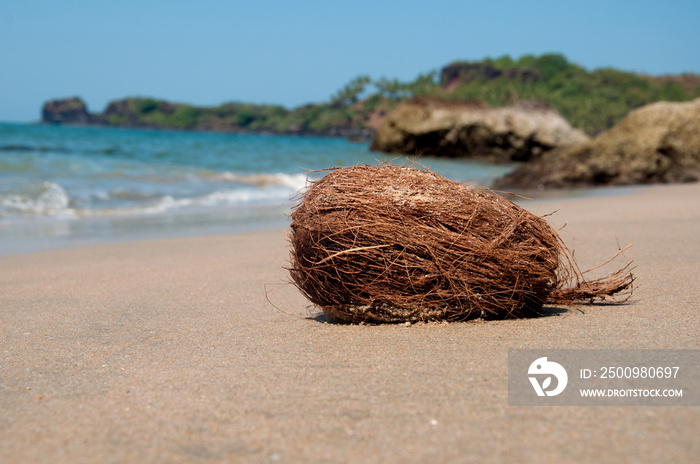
296, 52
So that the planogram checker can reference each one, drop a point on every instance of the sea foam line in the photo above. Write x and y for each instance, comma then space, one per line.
52, 200
293, 181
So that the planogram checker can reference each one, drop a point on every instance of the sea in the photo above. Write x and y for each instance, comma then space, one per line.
65, 187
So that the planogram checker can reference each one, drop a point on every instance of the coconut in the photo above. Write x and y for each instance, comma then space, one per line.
391, 243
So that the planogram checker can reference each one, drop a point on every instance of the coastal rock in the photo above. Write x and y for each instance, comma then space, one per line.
66, 111
658, 143
474, 130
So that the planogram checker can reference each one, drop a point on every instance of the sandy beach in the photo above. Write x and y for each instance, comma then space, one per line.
169, 351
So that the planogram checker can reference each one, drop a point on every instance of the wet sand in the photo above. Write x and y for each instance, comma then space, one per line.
169, 351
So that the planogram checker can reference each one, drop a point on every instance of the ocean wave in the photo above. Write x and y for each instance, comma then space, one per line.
168, 203
217, 198
49, 199
293, 181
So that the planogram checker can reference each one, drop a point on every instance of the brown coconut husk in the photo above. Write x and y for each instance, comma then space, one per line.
392, 243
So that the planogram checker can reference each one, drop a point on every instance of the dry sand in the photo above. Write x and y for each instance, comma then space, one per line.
168, 351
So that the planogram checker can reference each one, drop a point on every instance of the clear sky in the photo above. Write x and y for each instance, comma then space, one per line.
292, 52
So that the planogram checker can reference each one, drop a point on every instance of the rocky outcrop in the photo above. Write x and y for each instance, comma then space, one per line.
474, 130
312, 119
66, 111
658, 143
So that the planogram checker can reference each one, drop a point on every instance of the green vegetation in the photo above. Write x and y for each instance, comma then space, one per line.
350, 94
591, 100
73, 104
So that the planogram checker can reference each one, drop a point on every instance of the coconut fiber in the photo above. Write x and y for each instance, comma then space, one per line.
392, 243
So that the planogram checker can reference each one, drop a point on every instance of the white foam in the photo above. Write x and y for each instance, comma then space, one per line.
217, 198
221, 197
50, 199
293, 181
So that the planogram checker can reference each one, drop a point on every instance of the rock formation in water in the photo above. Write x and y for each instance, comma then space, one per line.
437, 127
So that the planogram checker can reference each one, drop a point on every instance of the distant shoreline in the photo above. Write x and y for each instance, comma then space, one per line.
358, 110
202, 131
154, 114
351, 136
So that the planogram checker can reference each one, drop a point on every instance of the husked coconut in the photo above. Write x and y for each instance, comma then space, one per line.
392, 243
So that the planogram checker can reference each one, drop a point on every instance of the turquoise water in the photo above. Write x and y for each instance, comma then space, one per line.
68, 186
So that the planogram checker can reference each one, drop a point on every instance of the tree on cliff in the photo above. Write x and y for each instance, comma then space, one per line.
350, 94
